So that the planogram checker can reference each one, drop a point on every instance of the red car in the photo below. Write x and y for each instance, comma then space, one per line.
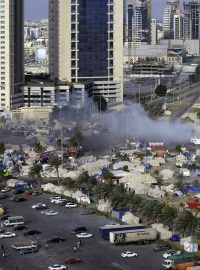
29, 192
72, 261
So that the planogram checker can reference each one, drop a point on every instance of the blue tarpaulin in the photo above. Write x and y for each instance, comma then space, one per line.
148, 166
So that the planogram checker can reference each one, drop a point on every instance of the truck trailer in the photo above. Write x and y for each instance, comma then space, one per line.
142, 236
25, 245
105, 230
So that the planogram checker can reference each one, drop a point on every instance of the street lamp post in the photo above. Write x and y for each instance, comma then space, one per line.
61, 134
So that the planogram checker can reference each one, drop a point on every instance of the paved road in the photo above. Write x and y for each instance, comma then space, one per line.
95, 253
183, 110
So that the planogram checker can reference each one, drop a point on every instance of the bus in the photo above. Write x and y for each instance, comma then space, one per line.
11, 221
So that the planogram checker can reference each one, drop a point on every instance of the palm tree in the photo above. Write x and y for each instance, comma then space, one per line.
59, 143
69, 183
2, 148
119, 196
2, 176
168, 214
187, 221
104, 190
36, 171
38, 148
16, 170
54, 164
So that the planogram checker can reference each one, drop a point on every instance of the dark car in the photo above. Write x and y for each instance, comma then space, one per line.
19, 228
87, 212
161, 247
19, 199
79, 230
4, 217
56, 240
32, 232
18, 191
42, 207
3, 196
28, 251
72, 261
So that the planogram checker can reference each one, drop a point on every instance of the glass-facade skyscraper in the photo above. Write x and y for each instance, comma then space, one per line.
86, 44
11, 53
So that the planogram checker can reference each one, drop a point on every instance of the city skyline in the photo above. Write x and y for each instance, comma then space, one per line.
38, 9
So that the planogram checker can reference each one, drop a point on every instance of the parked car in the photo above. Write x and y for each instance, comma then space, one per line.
60, 201
36, 193
3, 196
54, 199
171, 253
72, 261
7, 235
18, 191
28, 251
128, 254
56, 239
112, 224
4, 217
57, 267
71, 205
19, 199
51, 213
87, 212
84, 235
28, 192
78, 230
32, 232
174, 238
161, 247
43, 208
19, 228
4, 190
38, 205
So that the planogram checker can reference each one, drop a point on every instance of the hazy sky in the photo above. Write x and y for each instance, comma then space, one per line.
37, 9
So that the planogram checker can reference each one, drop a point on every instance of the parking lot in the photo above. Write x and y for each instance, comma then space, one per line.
94, 253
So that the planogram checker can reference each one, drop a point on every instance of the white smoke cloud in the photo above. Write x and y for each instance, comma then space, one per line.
134, 122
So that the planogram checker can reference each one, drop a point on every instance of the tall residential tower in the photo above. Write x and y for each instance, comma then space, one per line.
191, 19
11, 53
86, 44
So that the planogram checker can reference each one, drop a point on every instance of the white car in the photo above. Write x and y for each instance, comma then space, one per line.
45, 211
84, 235
57, 267
54, 199
128, 254
38, 205
60, 201
71, 205
4, 190
51, 213
7, 235
171, 253
112, 224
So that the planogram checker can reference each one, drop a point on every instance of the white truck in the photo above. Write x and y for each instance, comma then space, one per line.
25, 245
142, 236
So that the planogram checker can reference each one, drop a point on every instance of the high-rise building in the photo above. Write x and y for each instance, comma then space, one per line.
86, 44
11, 53
138, 20
191, 20
170, 10
153, 32
124, 20
178, 26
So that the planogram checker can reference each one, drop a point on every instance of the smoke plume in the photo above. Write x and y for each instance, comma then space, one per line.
134, 122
